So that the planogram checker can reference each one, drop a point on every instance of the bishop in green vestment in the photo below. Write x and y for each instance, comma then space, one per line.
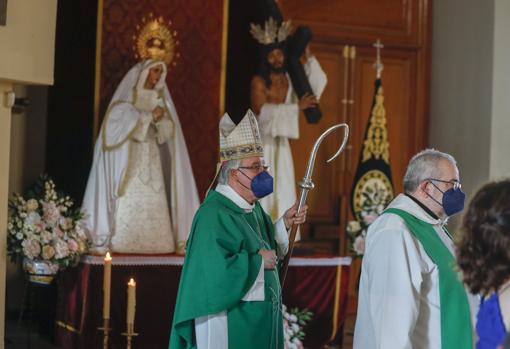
229, 293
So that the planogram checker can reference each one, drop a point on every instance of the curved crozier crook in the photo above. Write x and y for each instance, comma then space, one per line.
315, 149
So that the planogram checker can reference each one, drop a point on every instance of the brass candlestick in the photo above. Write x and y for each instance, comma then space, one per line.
130, 334
106, 332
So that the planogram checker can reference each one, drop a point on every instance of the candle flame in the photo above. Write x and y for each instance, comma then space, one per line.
132, 282
108, 257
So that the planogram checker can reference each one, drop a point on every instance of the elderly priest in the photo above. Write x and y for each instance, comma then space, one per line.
229, 293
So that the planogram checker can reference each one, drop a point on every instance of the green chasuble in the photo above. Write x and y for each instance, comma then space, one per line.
456, 331
221, 265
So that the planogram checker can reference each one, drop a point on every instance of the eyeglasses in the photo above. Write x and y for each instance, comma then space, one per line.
455, 183
256, 168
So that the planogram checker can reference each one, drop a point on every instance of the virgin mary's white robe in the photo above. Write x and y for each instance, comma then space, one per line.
141, 195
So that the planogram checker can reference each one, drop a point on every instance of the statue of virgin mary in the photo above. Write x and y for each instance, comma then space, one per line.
141, 194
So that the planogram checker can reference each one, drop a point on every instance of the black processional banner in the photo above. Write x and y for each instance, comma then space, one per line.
372, 186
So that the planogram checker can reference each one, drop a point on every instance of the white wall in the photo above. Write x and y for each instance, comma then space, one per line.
27, 46
461, 85
5, 130
27, 161
27, 41
500, 132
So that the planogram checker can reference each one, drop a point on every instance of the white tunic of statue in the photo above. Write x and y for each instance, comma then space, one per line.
141, 194
278, 123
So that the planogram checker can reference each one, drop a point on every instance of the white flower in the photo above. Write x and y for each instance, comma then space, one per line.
19, 235
65, 223
292, 318
33, 218
61, 249
295, 328
80, 232
380, 209
31, 248
46, 237
359, 244
353, 226
32, 205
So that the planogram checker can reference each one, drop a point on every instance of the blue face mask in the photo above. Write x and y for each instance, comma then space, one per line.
261, 184
453, 200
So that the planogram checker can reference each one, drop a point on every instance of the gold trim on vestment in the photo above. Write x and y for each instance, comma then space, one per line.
241, 152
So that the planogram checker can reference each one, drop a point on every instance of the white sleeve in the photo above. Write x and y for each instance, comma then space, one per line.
279, 120
316, 76
212, 331
256, 292
165, 129
281, 237
142, 127
392, 266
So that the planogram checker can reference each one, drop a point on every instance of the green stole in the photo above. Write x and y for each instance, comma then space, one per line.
456, 331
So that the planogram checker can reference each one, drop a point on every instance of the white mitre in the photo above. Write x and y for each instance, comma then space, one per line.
241, 140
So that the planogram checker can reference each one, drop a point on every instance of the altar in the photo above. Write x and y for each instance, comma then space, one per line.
319, 283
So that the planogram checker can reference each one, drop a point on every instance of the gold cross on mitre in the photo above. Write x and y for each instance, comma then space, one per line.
378, 63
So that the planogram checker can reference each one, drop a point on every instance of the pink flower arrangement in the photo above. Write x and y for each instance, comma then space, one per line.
45, 227
293, 322
373, 203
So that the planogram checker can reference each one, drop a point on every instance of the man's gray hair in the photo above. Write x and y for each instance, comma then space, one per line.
424, 166
224, 175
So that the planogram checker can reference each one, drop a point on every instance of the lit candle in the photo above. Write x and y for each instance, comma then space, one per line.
107, 280
131, 303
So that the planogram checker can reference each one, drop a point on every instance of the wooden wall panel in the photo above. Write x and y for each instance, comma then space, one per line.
397, 20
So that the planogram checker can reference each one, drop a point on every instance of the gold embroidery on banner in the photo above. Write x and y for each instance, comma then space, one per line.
374, 186
376, 143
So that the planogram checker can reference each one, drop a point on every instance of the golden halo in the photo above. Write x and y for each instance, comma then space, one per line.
156, 40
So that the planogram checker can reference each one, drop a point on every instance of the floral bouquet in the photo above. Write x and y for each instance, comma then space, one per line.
45, 227
374, 201
293, 322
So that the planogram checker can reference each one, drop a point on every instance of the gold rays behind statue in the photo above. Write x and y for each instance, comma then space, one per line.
156, 40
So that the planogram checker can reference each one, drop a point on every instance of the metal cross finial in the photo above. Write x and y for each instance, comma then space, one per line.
378, 63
